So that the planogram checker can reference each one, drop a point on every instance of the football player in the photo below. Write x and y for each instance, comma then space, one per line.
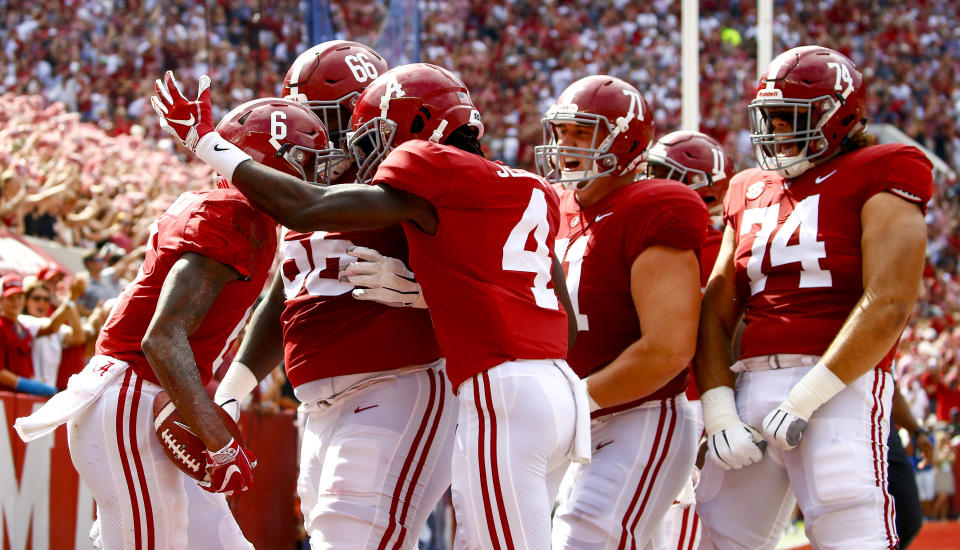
379, 419
206, 262
630, 253
822, 255
699, 161
481, 241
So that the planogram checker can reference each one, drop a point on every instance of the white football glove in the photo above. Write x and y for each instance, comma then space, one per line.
385, 279
784, 425
731, 443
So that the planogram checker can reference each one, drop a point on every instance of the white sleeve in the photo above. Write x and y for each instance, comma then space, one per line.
33, 324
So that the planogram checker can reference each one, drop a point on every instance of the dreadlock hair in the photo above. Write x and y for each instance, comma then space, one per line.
466, 138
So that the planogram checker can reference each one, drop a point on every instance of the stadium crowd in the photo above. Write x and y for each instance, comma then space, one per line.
82, 160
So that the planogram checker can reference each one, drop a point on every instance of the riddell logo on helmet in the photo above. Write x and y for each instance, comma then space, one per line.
769, 93
563, 110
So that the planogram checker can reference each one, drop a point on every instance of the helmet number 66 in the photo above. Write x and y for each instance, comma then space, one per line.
361, 67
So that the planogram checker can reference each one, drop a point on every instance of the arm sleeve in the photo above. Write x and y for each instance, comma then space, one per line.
229, 231
417, 167
682, 226
907, 173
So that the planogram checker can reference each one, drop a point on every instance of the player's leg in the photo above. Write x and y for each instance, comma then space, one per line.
211, 525
642, 459
839, 471
516, 425
680, 528
748, 509
114, 448
377, 461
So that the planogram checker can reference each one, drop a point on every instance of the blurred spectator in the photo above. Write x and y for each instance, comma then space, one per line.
923, 465
16, 372
102, 282
51, 333
943, 458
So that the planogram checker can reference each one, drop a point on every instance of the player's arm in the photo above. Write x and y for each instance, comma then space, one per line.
665, 284
901, 415
731, 443
560, 286
305, 208
287, 199
260, 351
719, 314
191, 287
893, 246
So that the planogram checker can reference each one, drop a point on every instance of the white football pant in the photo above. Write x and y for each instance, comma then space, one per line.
838, 473
375, 459
642, 459
141, 500
516, 426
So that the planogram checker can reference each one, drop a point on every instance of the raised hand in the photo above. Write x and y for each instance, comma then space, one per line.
186, 120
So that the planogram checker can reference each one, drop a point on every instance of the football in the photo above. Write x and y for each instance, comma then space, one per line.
182, 446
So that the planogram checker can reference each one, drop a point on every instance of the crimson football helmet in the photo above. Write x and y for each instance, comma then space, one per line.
415, 101
693, 158
622, 126
821, 92
283, 135
329, 77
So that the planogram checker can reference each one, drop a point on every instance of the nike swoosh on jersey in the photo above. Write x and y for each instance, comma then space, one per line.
601, 216
823, 178
359, 410
188, 122
604, 444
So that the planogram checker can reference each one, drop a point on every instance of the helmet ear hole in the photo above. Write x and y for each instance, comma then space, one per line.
417, 125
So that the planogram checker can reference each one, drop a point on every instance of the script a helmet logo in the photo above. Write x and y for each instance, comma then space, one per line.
394, 89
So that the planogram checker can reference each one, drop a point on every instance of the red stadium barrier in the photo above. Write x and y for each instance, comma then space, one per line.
43, 505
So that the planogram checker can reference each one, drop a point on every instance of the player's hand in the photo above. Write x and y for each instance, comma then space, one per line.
784, 427
737, 446
230, 469
385, 279
186, 120
731, 443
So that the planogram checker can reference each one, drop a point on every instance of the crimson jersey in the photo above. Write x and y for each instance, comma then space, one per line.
601, 243
221, 225
798, 261
708, 256
709, 252
326, 332
486, 271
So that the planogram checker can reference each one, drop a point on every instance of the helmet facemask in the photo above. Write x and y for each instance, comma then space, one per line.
335, 115
806, 118
370, 143
664, 167
599, 161
316, 166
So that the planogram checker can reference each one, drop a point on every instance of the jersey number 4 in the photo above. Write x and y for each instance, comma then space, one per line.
517, 258
807, 251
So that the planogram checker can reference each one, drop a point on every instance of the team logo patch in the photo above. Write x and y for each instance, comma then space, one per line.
575, 221
755, 190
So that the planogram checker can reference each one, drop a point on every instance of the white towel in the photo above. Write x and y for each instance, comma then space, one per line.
83, 389
580, 451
